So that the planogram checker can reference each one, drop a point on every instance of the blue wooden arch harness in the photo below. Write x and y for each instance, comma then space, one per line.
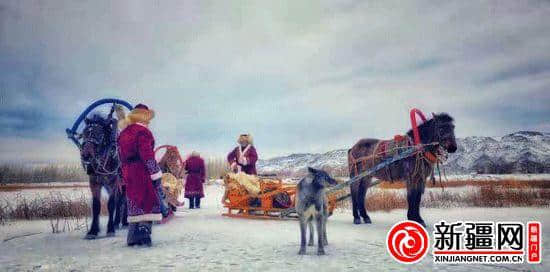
72, 132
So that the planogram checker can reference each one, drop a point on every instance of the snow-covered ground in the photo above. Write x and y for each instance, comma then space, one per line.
32, 194
203, 240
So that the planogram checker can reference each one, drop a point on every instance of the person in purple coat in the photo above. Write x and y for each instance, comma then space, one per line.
141, 175
196, 173
243, 157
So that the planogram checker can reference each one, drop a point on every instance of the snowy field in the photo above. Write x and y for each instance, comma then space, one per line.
203, 240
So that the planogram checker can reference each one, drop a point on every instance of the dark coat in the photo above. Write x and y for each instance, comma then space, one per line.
139, 169
196, 174
245, 159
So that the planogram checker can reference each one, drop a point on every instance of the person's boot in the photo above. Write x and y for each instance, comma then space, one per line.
145, 232
197, 202
134, 236
191, 203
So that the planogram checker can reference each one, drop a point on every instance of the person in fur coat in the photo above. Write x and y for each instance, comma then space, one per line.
196, 174
141, 174
243, 157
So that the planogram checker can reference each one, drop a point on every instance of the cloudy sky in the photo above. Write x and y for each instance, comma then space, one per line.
301, 76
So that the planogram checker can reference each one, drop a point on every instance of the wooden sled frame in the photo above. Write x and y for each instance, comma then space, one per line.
238, 200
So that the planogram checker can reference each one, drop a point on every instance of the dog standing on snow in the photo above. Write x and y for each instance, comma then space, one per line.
312, 203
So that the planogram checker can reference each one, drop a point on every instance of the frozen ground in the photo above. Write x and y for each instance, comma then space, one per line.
202, 240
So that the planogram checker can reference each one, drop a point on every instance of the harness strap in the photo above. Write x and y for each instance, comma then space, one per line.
380, 151
431, 157
416, 112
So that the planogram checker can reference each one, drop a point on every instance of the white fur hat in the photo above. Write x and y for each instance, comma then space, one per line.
246, 137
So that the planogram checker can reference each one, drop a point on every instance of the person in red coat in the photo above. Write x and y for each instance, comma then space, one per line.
194, 166
243, 157
141, 175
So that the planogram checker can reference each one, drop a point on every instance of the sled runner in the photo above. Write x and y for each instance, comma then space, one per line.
258, 197
172, 165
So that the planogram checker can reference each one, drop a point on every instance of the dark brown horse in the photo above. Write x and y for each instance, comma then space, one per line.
414, 170
99, 157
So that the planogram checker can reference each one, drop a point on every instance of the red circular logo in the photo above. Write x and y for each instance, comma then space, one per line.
407, 242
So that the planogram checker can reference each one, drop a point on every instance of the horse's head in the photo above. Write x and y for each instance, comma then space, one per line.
96, 137
320, 178
439, 129
444, 131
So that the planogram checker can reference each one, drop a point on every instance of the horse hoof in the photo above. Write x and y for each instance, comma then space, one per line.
320, 252
90, 236
367, 220
310, 244
302, 252
147, 242
111, 234
356, 221
419, 221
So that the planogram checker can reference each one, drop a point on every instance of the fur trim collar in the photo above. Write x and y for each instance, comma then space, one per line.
140, 116
241, 151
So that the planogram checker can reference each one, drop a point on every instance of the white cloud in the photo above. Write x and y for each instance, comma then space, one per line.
302, 76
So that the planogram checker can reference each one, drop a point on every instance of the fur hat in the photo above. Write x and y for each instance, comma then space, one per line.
140, 114
195, 154
245, 137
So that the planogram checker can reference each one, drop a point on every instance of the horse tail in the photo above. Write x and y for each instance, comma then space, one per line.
352, 165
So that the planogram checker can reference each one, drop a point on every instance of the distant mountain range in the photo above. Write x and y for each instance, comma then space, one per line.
519, 152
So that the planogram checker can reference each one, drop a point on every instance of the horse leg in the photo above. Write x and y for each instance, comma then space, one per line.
95, 188
354, 206
123, 207
414, 195
417, 202
111, 204
325, 218
363, 187
116, 222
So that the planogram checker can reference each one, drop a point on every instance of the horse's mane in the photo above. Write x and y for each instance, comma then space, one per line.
96, 117
102, 120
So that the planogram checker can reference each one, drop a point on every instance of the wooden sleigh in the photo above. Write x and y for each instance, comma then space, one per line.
238, 199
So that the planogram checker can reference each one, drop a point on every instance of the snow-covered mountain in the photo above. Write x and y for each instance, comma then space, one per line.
519, 152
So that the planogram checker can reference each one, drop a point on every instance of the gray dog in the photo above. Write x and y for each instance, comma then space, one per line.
312, 203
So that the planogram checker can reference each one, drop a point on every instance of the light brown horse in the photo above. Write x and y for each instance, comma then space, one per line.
414, 170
